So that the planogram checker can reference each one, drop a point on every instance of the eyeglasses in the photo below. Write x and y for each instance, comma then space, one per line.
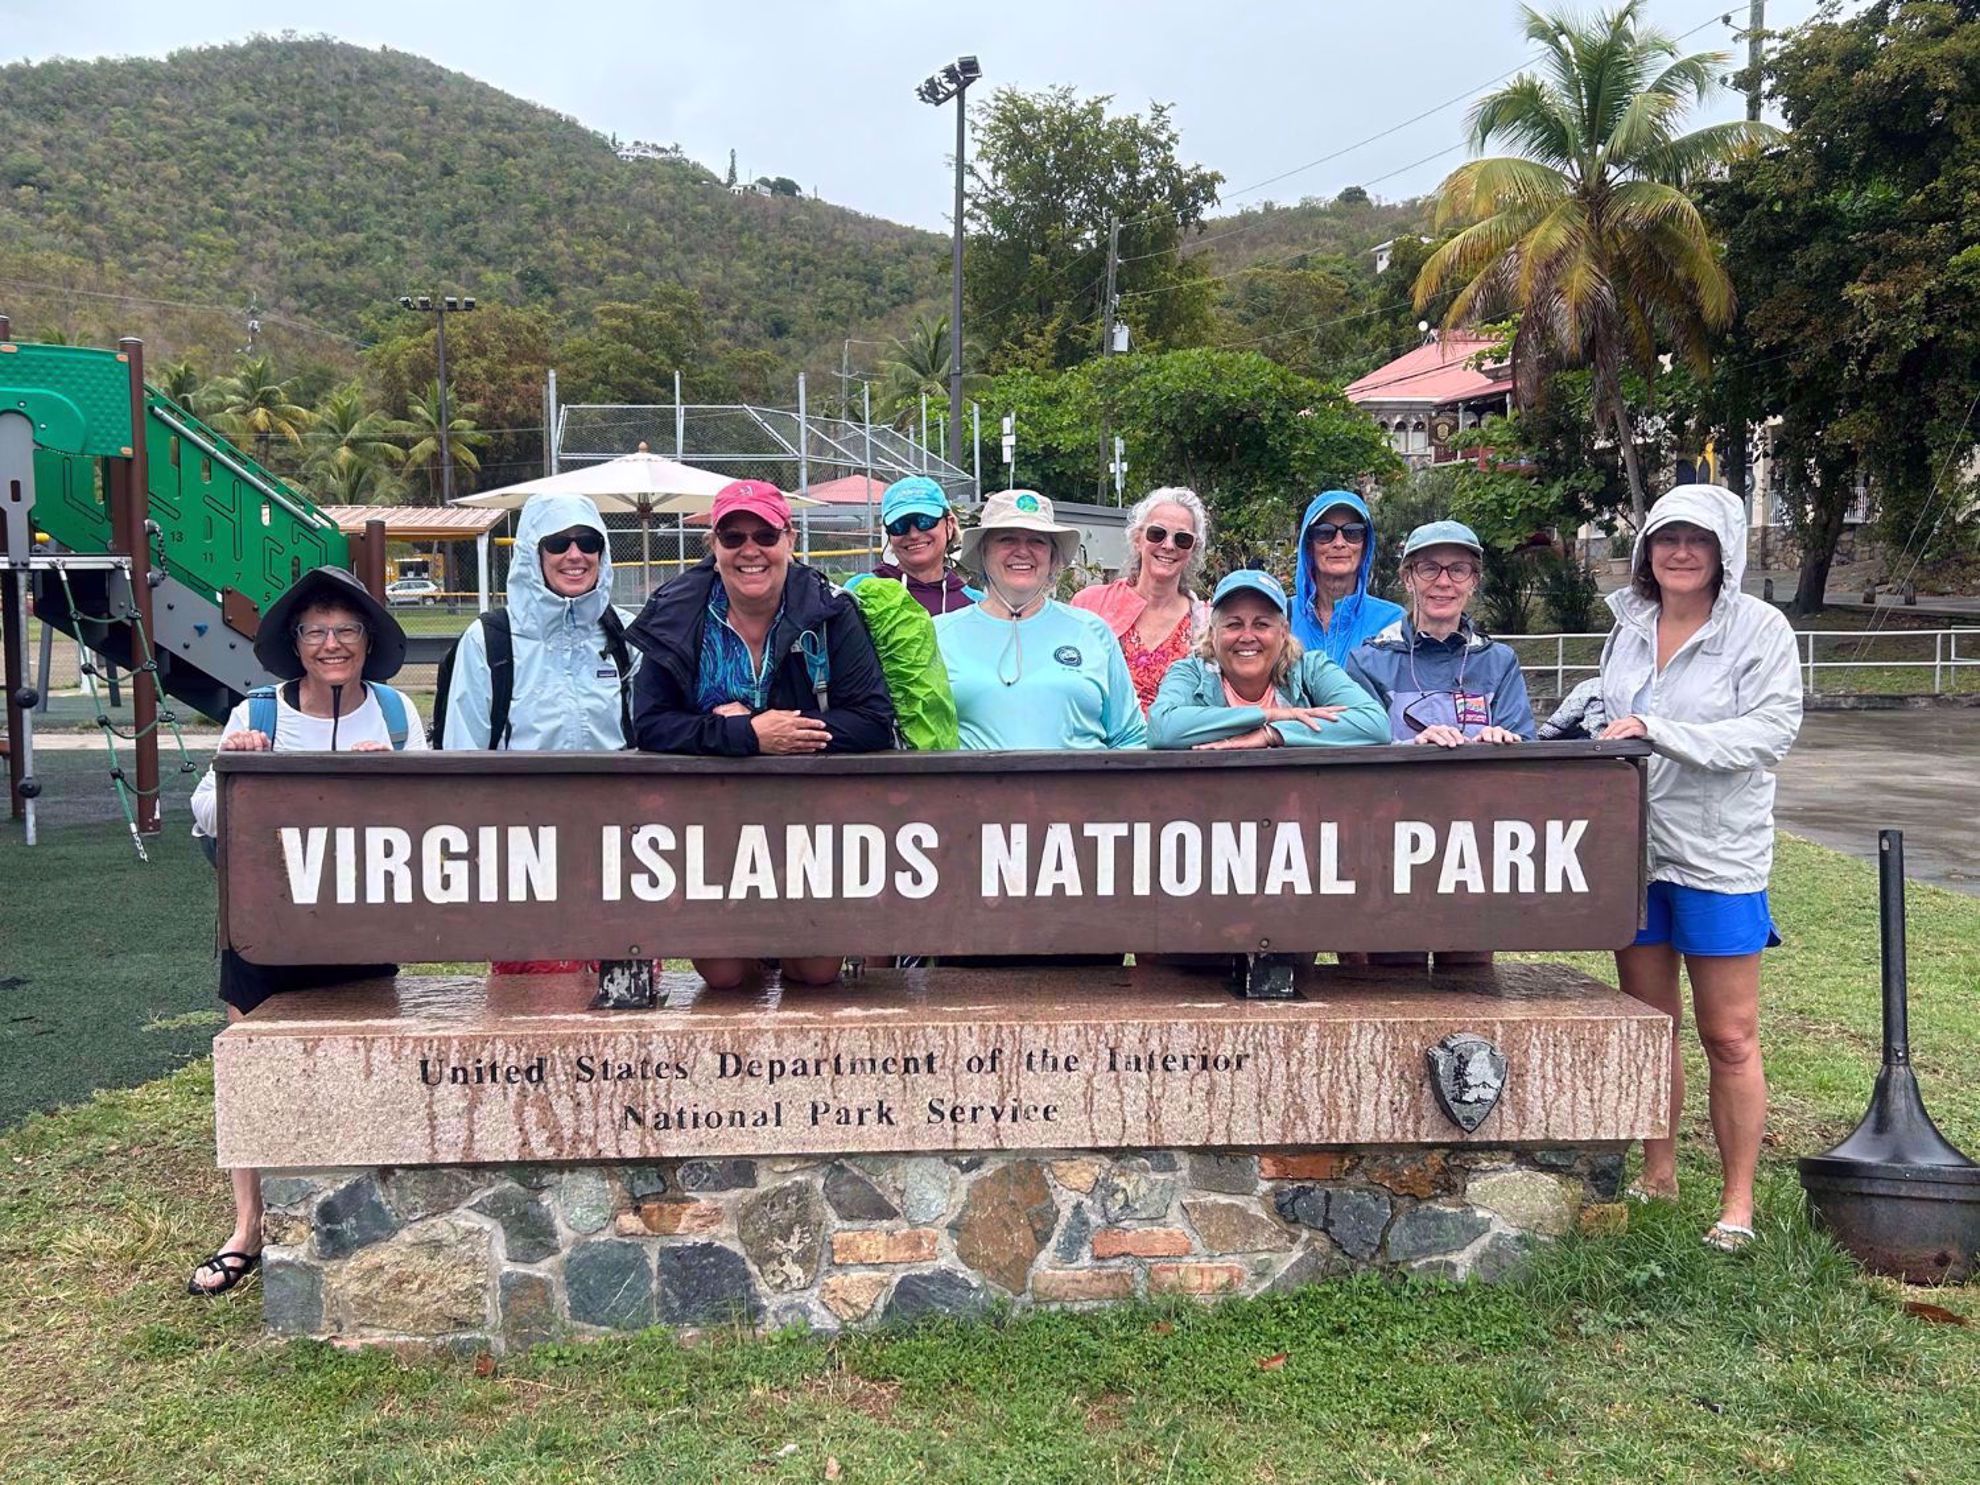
318, 635
590, 542
1156, 535
1322, 533
1457, 572
919, 521
735, 538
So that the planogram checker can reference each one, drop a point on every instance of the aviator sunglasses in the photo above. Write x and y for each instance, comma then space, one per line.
734, 538
919, 521
590, 542
1322, 533
1156, 535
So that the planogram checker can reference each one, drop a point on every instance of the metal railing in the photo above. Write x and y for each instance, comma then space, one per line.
1898, 654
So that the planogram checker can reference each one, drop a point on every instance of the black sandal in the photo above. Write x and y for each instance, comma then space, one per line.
233, 1267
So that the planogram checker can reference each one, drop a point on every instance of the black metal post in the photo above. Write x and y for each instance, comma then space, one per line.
1890, 886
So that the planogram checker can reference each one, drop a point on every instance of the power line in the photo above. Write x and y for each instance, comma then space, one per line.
224, 309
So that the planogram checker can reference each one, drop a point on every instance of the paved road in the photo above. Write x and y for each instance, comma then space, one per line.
1853, 773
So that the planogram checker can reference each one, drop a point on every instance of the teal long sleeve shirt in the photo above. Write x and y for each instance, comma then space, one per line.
1191, 708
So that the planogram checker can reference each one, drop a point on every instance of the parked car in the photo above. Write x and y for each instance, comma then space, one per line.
422, 591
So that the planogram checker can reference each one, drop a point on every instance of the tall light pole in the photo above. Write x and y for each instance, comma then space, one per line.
953, 82
440, 308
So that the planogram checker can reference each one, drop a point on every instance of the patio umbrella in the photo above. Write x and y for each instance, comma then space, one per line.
640, 483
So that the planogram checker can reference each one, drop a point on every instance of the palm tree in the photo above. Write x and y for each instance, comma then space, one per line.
1588, 233
179, 381
421, 430
920, 367
351, 453
253, 406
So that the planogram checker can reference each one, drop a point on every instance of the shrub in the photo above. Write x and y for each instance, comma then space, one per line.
1574, 602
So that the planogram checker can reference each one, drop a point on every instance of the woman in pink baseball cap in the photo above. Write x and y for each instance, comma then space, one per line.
751, 652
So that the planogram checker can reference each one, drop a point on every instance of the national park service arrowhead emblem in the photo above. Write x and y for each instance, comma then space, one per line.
1467, 1075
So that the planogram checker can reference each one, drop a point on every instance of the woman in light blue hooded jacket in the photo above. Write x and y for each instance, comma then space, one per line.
567, 694
1333, 611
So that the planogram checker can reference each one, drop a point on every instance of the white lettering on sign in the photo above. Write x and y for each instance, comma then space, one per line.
302, 854
389, 865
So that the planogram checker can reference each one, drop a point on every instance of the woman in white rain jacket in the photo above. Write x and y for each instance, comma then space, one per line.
1708, 676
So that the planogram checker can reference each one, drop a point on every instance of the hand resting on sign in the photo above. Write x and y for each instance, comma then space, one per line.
784, 732
1443, 735
1623, 728
246, 742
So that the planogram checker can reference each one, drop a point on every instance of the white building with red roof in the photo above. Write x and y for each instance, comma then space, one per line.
1423, 400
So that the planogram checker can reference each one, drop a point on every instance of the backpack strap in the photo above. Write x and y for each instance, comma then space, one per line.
499, 641
613, 628
393, 707
262, 713
812, 644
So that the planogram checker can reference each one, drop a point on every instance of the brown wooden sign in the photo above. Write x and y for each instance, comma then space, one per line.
357, 858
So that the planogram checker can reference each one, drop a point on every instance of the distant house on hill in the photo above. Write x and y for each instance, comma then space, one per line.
640, 149
1423, 400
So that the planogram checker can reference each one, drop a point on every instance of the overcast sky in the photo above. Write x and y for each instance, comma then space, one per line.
823, 90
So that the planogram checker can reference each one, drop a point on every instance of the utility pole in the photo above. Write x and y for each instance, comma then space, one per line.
440, 308
953, 82
1107, 335
1756, 23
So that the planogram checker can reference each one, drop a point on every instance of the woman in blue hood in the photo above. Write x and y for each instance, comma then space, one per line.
566, 689
1333, 611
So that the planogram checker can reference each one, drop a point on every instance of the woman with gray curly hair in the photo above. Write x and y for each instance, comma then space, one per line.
1153, 608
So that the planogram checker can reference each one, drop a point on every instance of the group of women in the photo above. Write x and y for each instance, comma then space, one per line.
752, 652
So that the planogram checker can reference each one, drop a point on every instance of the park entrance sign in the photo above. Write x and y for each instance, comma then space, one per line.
356, 858
497, 1157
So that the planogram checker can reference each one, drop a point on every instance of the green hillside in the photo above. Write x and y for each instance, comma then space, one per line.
324, 180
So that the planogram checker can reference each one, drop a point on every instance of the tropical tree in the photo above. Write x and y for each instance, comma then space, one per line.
179, 381
1590, 233
351, 456
920, 368
420, 428
255, 406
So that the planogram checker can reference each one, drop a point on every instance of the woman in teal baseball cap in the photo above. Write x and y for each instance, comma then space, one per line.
1250, 684
921, 535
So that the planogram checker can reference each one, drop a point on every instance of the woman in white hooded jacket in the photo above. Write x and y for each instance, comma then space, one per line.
1708, 676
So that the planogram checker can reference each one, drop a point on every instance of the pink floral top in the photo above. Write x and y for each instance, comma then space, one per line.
1148, 666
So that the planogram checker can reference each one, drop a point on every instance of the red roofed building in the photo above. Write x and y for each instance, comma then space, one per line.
1423, 400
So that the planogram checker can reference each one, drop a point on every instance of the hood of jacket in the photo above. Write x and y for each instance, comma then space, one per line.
1306, 628
1711, 507
533, 608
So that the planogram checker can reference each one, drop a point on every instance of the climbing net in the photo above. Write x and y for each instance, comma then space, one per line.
128, 792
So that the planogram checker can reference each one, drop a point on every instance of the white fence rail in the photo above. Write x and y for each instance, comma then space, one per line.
1938, 654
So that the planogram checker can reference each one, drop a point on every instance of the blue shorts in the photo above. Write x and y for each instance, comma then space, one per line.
1713, 924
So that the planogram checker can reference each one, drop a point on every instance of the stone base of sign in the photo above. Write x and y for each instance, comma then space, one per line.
502, 1257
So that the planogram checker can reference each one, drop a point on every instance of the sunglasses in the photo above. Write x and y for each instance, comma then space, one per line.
1323, 533
735, 538
1156, 535
919, 521
590, 542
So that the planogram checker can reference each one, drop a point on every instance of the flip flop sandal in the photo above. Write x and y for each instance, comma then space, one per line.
233, 1267
1641, 1195
1727, 1237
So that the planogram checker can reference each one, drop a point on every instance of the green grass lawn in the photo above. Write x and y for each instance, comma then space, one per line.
1639, 1357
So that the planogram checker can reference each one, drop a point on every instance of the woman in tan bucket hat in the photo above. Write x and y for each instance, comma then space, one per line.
1030, 672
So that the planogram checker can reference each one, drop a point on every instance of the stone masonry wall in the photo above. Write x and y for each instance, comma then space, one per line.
507, 1256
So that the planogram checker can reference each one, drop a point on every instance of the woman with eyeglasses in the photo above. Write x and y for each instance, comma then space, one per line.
921, 533
1333, 611
749, 653
567, 685
332, 646
1709, 677
1444, 681
1152, 607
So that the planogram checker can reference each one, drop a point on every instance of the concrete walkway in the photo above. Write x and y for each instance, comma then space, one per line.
1854, 773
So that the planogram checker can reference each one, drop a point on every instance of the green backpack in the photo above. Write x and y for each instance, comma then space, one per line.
904, 637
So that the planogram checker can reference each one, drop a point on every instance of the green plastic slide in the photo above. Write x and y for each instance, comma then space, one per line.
904, 636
